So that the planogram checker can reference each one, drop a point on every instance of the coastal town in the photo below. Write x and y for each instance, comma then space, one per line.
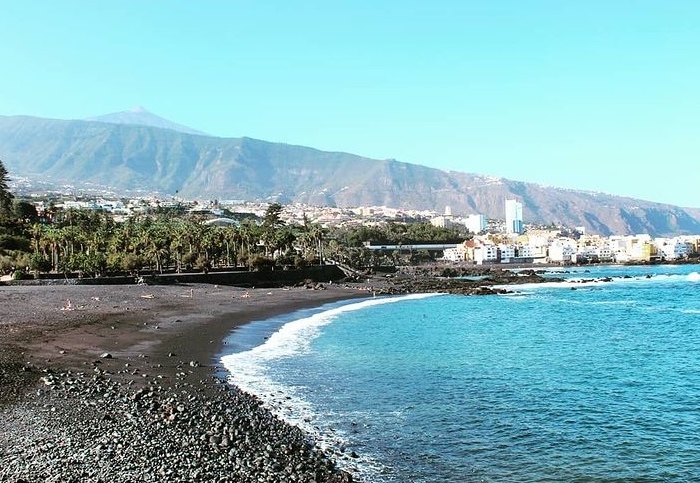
510, 240
349, 242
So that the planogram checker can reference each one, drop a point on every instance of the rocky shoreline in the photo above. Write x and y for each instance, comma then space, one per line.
473, 281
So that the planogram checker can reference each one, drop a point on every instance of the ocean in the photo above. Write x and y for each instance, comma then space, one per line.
582, 380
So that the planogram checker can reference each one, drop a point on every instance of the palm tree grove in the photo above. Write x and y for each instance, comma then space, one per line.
90, 243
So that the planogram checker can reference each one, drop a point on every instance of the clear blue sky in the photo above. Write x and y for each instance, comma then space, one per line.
599, 95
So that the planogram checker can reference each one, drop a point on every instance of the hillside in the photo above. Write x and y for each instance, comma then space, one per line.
128, 157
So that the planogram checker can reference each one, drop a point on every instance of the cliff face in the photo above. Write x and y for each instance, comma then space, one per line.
129, 157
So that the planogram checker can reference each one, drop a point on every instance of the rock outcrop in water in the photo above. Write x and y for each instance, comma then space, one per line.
484, 281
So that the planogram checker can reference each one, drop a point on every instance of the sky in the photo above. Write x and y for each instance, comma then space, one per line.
593, 95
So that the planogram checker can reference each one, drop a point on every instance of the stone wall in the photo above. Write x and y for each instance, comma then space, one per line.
266, 278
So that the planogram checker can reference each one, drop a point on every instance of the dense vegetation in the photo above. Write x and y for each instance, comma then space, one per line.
91, 243
16, 217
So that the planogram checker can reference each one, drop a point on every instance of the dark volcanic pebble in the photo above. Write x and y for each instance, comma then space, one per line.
86, 427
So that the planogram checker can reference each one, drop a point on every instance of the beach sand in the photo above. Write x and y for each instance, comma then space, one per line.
117, 383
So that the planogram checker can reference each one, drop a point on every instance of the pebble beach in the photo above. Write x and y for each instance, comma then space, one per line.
123, 384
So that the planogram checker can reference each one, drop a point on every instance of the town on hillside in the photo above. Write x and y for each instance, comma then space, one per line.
505, 241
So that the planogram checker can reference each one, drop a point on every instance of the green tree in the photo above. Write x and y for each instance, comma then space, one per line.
249, 236
272, 222
272, 218
24, 213
5, 195
231, 236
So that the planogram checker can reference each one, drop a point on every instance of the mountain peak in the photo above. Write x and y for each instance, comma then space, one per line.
140, 116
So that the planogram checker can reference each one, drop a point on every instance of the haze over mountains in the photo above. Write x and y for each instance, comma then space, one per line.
139, 116
139, 150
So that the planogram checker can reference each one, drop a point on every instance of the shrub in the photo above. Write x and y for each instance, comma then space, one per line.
189, 260
259, 263
300, 262
39, 263
132, 262
202, 263
11, 242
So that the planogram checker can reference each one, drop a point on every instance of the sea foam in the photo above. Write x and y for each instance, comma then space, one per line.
249, 370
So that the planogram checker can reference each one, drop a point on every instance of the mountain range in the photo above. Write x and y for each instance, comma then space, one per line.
137, 150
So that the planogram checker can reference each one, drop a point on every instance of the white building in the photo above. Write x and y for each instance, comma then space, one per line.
604, 253
441, 221
79, 205
514, 217
476, 223
532, 251
456, 254
507, 252
561, 251
674, 248
485, 254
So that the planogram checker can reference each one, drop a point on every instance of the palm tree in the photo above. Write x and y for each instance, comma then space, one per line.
153, 241
231, 236
38, 231
177, 242
54, 237
317, 232
249, 235
211, 243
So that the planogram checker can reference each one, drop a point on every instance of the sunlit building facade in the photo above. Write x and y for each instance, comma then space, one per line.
514, 217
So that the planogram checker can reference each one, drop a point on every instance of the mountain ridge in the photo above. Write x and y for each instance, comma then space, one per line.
128, 157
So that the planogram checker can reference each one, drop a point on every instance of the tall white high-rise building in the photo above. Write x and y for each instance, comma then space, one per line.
514, 217
476, 223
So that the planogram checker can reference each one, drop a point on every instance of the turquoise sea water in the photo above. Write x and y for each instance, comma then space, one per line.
596, 384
